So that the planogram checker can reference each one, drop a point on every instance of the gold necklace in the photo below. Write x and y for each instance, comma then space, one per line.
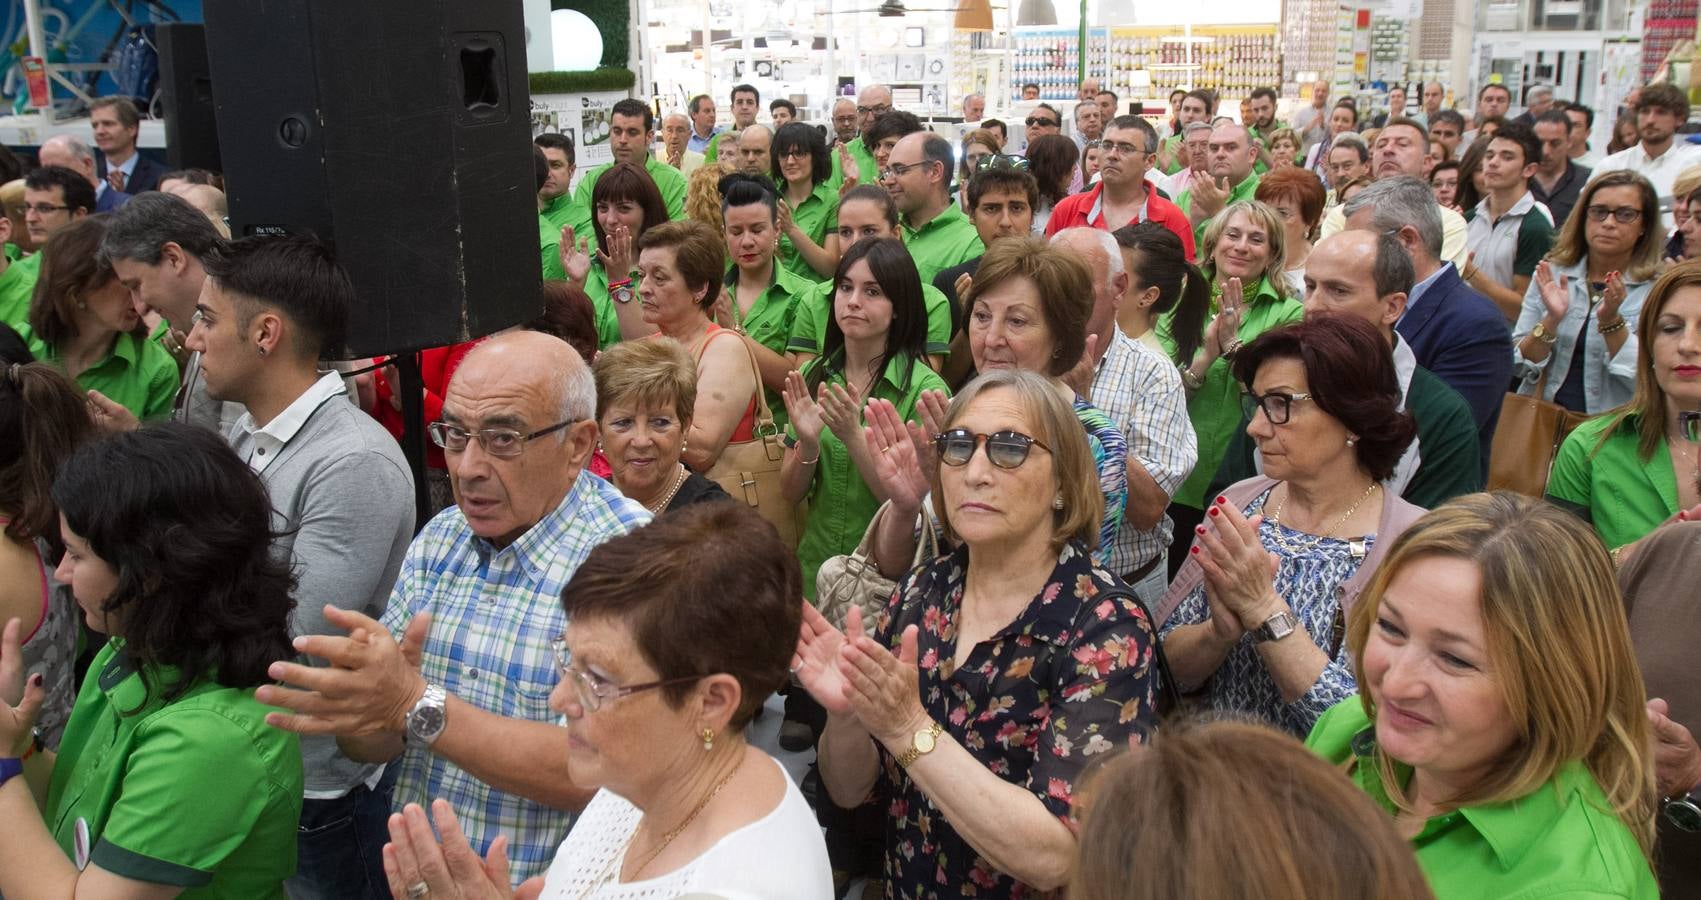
678, 480
679, 829
1276, 520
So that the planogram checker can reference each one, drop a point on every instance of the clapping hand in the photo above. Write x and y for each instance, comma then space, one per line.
617, 262
883, 688
816, 660
1677, 758
1612, 297
575, 256
1080, 378
897, 446
847, 169
1227, 323
1555, 293
838, 410
451, 870
1210, 195
785, 224
1239, 572
805, 414
371, 683
20, 700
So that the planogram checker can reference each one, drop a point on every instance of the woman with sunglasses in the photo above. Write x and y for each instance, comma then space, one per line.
809, 241
1325, 408
1575, 339
948, 711
977, 147
1635, 468
660, 675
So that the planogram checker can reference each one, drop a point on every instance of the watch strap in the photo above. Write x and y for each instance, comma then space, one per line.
915, 752
1276, 627
10, 768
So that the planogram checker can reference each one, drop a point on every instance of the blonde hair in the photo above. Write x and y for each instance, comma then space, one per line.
1264, 216
1648, 404
1572, 245
653, 374
703, 197
1058, 429
1687, 183
1155, 824
1558, 639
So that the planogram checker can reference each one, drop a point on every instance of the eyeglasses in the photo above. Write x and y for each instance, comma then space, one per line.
42, 209
1036, 121
1689, 424
1624, 214
1122, 148
898, 170
795, 153
1277, 405
877, 110
503, 442
1002, 161
592, 692
1004, 449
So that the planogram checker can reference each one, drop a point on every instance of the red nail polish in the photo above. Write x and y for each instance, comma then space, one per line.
1214, 511
1222, 499
1682, 516
1194, 551
1199, 528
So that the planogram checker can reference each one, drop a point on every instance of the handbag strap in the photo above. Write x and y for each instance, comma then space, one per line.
764, 417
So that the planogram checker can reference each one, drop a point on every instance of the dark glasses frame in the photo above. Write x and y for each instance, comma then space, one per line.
1004, 449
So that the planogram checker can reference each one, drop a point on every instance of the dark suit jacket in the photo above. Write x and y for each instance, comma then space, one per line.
144, 178
111, 200
1461, 337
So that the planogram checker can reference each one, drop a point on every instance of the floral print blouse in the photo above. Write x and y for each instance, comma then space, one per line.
1071, 679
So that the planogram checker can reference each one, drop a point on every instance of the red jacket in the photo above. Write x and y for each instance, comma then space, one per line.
436, 366
1074, 210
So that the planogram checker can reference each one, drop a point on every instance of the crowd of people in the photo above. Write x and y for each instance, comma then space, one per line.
1112, 517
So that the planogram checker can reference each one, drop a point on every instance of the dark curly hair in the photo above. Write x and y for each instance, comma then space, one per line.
186, 526
1350, 368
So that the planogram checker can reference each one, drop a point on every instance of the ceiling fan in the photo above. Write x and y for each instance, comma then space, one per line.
895, 9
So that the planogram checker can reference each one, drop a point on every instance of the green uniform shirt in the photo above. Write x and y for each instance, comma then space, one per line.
840, 503
770, 318
866, 170
199, 793
607, 318
564, 211
1609, 484
549, 248
809, 325
667, 179
713, 151
818, 216
1562, 839
137, 374
1242, 191
13, 251
1215, 408
949, 239
17, 283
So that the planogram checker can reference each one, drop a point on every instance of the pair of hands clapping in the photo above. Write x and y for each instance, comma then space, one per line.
576, 254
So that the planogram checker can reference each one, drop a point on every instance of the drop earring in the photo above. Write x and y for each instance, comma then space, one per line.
1057, 502
1351, 441
708, 739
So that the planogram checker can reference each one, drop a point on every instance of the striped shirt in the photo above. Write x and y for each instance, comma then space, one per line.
1140, 389
494, 616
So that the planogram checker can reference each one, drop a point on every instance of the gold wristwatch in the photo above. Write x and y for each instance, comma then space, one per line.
921, 744
1540, 333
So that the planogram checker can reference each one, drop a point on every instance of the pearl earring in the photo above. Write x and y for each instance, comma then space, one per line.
1057, 502
708, 739
1350, 441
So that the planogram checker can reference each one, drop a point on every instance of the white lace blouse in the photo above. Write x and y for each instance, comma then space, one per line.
780, 856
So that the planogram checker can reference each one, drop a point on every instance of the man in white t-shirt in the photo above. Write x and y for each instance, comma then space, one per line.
1660, 156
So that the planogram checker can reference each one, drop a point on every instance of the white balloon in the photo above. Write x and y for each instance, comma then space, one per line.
577, 44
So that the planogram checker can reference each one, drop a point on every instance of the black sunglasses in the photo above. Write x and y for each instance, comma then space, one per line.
1004, 449
1038, 120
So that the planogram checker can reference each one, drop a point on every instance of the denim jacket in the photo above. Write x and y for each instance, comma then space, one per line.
1606, 382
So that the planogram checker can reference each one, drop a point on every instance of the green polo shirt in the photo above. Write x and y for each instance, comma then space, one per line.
137, 373
549, 248
1215, 408
713, 151
1608, 483
1242, 191
840, 503
667, 179
949, 239
818, 216
564, 211
607, 318
17, 283
866, 169
1562, 839
815, 309
199, 793
769, 321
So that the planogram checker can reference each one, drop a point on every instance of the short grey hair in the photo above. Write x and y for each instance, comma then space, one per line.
578, 393
1106, 244
1195, 126
140, 228
71, 145
1400, 201
1392, 271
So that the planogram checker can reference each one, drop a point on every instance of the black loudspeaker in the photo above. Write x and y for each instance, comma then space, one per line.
186, 93
398, 130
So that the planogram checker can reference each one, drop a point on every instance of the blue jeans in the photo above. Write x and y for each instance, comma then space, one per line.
340, 845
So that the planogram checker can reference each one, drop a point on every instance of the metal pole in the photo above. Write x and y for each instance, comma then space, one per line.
1081, 54
413, 433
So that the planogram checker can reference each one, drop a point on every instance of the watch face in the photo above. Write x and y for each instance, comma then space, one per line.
426, 722
924, 741
1684, 814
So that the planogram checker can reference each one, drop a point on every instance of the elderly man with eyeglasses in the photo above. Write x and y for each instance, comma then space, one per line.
1122, 196
854, 159
456, 678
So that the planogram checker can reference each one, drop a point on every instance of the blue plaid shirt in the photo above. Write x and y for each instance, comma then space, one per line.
494, 615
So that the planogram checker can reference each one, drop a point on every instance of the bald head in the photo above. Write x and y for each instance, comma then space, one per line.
872, 102
1103, 257
209, 200
534, 362
1231, 152
1359, 273
67, 151
753, 144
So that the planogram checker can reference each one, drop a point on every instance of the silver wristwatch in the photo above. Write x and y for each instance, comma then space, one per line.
1276, 627
428, 716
